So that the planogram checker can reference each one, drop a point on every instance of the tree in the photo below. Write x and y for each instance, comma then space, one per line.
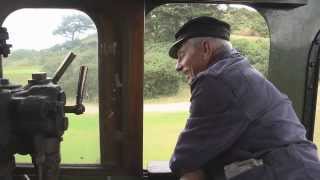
163, 22
74, 25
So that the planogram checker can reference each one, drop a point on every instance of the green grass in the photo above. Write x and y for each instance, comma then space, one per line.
81, 142
160, 134
20, 74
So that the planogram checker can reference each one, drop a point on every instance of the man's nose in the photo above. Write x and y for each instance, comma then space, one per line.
178, 67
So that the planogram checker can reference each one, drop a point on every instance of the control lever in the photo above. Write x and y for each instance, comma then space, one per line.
63, 67
79, 107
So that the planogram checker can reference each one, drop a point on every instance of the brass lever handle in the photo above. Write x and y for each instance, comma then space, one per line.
63, 67
79, 107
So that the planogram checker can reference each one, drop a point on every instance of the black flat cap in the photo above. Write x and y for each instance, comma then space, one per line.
200, 27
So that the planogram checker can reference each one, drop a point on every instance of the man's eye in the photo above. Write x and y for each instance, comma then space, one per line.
180, 55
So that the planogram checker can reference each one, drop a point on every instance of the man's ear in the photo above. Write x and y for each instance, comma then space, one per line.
206, 49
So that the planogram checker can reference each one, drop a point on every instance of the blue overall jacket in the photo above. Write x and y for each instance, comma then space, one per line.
236, 115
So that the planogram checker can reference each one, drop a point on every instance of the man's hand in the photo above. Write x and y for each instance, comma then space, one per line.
194, 175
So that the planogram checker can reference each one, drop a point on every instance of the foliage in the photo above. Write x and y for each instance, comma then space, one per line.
22, 57
163, 22
72, 26
160, 77
246, 22
256, 50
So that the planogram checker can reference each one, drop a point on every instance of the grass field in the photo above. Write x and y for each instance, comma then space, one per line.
160, 134
20, 74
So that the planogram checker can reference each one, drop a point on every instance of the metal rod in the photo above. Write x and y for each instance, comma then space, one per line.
81, 84
63, 67
40, 172
1, 68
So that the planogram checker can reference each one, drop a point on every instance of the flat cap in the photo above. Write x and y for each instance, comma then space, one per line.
203, 26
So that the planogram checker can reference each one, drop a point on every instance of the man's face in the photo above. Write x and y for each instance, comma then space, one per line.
190, 60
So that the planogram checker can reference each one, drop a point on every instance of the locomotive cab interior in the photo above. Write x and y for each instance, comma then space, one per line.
293, 67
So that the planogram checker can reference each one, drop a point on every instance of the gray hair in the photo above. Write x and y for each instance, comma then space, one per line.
218, 44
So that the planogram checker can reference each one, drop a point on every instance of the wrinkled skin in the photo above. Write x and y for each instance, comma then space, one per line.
193, 58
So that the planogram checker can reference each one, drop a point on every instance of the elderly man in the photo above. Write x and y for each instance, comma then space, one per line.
241, 127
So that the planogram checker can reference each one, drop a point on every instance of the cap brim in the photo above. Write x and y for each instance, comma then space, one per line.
175, 47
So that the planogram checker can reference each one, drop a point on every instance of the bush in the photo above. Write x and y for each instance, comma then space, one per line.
160, 77
256, 50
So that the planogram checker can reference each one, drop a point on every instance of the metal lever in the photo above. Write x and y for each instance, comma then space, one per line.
63, 67
82, 84
79, 107
4, 47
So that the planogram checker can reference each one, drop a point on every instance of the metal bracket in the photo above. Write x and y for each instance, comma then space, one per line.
4, 47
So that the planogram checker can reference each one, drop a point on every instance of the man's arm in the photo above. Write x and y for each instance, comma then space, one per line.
194, 175
215, 123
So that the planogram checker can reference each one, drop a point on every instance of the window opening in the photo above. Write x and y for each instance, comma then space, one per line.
41, 38
166, 93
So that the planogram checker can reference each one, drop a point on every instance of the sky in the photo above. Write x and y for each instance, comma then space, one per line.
32, 28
